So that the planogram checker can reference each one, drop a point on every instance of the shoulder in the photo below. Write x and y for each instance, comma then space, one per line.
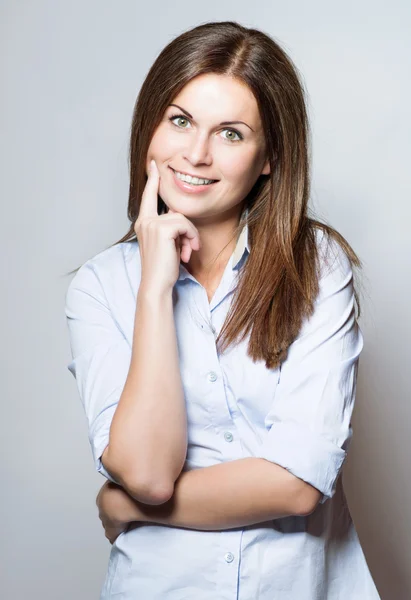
331, 325
104, 289
334, 264
105, 269
112, 258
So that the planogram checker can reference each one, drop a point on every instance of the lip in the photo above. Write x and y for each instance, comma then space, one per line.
188, 187
192, 174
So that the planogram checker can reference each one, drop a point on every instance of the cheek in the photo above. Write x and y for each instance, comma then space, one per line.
157, 151
164, 144
239, 170
155, 147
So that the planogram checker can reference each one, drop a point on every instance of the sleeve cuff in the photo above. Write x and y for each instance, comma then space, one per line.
305, 454
99, 439
105, 473
100, 467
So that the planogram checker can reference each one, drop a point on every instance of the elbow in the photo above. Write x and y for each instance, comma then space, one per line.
308, 499
153, 493
149, 493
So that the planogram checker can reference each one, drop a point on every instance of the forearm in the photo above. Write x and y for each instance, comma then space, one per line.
224, 496
148, 434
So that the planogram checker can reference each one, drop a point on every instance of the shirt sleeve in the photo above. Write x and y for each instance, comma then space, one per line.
100, 357
309, 422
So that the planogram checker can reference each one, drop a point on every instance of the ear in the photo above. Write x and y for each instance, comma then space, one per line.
266, 168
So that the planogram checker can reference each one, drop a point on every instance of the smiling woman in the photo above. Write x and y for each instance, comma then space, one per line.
216, 345
206, 148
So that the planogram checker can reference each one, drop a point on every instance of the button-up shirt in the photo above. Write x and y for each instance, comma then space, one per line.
297, 416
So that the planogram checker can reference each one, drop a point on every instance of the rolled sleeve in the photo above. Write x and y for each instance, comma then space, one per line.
309, 423
100, 357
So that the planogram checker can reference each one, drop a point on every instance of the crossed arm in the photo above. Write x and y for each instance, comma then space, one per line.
224, 496
309, 430
228, 495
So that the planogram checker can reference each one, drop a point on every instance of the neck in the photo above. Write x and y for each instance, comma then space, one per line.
217, 244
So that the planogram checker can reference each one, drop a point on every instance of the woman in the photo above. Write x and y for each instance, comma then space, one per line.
216, 347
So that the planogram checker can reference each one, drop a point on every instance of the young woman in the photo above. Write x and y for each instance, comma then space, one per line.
216, 345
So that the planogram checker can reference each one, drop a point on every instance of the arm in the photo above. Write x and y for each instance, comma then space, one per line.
130, 404
309, 421
224, 496
148, 434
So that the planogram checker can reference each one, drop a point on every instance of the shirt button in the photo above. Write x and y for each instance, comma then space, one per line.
229, 557
228, 436
212, 376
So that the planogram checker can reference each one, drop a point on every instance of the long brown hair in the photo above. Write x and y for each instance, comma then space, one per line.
279, 280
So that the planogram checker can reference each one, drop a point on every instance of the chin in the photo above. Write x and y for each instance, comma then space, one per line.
184, 206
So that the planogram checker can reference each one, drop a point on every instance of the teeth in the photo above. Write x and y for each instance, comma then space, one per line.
193, 180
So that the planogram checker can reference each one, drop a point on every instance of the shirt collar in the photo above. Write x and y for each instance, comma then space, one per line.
242, 245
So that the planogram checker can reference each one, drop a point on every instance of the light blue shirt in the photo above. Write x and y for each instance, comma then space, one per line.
297, 416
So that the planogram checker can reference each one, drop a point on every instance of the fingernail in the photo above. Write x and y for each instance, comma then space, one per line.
152, 165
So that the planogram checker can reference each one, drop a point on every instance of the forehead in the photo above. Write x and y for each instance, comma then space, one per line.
219, 96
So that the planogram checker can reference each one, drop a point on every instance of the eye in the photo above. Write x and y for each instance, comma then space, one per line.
181, 117
237, 133
231, 131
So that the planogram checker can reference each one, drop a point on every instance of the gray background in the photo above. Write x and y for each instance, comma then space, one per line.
70, 73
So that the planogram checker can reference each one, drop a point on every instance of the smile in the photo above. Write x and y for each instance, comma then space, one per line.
192, 179
190, 184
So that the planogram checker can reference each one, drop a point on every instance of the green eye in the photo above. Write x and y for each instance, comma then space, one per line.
239, 136
231, 131
179, 117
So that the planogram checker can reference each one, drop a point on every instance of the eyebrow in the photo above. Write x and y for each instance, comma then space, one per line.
222, 123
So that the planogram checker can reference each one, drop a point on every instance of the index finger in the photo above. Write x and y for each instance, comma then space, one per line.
148, 206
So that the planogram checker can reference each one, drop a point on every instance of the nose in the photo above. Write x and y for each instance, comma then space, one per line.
198, 152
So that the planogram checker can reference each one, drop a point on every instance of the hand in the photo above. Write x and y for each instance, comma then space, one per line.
160, 238
114, 506
112, 529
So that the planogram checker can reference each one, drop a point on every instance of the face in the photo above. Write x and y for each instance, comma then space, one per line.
191, 139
